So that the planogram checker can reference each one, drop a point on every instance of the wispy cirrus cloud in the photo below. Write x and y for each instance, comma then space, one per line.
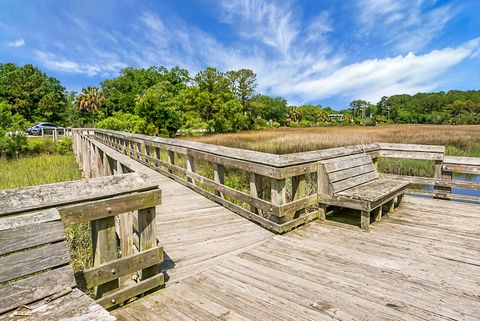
407, 25
16, 43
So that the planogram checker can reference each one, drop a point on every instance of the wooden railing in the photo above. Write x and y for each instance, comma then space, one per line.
279, 191
99, 201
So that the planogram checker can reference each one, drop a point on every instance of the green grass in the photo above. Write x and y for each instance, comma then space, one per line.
403, 166
50, 163
38, 170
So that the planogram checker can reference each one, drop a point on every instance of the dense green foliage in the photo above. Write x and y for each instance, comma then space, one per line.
453, 107
162, 101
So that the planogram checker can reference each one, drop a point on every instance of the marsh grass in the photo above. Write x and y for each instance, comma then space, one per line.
38, 170
409, 167
458, 139
47, 163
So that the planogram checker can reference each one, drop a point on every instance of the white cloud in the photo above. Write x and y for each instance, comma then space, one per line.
16, 43
372, 79
57, 63
407, 25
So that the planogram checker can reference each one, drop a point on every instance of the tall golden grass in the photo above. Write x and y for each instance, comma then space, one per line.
292, 140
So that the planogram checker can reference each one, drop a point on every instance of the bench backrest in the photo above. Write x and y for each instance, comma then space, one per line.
342, 173
34, 262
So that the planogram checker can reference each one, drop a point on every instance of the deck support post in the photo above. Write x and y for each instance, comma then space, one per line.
365, 220
219, 176
322, 212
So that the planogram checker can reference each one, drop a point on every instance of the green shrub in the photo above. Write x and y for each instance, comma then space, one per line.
293, 124
125, 122
305, 123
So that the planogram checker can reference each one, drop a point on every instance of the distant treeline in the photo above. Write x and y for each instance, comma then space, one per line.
162, 101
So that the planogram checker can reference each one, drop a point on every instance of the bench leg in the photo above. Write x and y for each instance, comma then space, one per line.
400, 199
322, 212
378, 214
365, 220
390, 206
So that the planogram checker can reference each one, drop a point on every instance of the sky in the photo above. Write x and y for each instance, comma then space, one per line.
326, 52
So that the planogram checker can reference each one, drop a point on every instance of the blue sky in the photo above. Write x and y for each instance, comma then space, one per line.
313, 51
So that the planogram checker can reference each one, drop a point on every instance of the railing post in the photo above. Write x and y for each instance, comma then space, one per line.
279, 191
104, 245
147, 229
190, 168
299, 190
171, 159
219, 176
256, 189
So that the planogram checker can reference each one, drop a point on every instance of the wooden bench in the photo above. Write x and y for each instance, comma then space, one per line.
36, 279
353, 182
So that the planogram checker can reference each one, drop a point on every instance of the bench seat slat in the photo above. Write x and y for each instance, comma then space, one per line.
14, 221
35, 287
375, 190
27, 236
36, 260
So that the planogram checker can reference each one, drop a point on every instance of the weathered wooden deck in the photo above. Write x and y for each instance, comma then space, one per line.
422, 263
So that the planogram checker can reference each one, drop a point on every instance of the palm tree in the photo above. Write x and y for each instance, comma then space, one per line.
90, 100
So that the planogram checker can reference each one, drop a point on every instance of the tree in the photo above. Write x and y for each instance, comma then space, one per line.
160, 107
122, 92
90, 101
243, 83
32, 94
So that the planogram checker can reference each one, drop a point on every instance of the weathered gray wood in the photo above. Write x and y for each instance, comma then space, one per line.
343, 163
278, 191
64, 193
15, 221
365, 220
190, 167
131, 291
104, 245
112, 270
94, 210
148, 236
219, 176
352, 182
27, 236
28, 262
375, 190
256, 190
35, 287
351, 172
126, 233
299, 191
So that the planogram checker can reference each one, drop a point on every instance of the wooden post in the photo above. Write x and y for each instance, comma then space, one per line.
157, 155
147, 229
299, 190
126, 233
190, 168
390, 207
118, 168
256, 189
219, 176
279, 191
107, 165
378, 214
104, 245
365, 220
88, 160
171, 159
400, 199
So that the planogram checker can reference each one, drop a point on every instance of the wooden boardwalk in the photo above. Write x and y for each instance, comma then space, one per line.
422, 263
